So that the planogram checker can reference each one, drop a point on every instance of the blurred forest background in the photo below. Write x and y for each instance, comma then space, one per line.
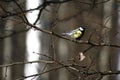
32, 46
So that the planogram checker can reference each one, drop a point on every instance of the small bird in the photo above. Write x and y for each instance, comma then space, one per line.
77, 33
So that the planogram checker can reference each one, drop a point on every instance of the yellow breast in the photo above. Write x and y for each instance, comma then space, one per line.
76, 34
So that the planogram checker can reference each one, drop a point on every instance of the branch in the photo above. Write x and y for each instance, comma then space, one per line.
104, 73
42, 6
29, 62
24, 17
54, 69
54, 2
72, 40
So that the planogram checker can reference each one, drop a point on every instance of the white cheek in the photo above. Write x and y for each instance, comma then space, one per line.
81, 29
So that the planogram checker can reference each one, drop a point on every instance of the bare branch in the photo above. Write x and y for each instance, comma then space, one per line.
30, 62
57, 68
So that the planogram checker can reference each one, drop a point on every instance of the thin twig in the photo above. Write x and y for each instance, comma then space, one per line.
29, 62
57, 68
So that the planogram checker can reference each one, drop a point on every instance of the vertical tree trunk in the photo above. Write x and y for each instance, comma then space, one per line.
107, 25
116, 40
14, 45
8, 48
33, 43
2, 23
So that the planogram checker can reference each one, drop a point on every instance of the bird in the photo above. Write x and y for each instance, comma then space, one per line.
77, 33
